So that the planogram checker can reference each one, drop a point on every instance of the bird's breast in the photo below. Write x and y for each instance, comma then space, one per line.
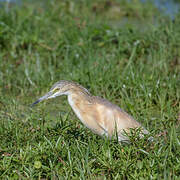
86, 112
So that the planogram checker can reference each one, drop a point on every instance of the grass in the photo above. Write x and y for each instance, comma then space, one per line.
134, 65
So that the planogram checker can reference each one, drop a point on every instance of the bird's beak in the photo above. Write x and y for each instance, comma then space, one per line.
46, 96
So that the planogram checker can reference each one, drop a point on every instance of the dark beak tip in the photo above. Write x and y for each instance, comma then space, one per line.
33, 104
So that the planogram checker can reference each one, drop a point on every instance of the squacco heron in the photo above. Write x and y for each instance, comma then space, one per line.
97, 114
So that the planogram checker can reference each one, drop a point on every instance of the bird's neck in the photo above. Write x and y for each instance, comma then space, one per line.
77, 98
78, 102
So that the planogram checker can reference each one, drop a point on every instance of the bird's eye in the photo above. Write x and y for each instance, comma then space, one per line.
55, 90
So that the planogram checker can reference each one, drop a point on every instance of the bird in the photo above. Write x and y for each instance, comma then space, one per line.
98, 114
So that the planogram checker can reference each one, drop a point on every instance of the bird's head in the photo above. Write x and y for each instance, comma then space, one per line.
58, 89
61, 88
